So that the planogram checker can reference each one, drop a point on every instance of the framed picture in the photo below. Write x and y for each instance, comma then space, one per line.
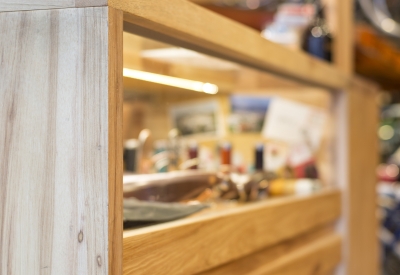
196, 118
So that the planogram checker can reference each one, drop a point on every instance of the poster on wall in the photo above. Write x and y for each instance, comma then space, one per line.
247, 113
195, 118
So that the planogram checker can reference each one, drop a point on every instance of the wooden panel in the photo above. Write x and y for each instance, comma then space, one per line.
363, 255
203, 30
218, 237
24, 5
115, 160
316, 252
54, 142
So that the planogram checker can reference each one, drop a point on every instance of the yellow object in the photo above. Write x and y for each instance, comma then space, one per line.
197, 86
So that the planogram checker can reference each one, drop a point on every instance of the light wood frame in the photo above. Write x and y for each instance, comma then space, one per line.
60, 128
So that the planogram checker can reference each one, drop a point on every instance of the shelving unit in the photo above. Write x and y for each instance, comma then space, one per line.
61, 174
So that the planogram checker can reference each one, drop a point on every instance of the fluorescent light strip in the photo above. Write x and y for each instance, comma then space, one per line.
197, 86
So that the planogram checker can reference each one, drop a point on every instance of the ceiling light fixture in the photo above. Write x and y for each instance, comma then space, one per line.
197, 86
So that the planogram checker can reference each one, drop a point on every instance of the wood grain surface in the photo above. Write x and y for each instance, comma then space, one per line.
54, 142
316, 252
180, 21
26, 5
196, 244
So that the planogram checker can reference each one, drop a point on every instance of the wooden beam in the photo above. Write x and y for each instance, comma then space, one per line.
216, 238
224, 38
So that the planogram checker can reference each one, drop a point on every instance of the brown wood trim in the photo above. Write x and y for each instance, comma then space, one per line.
115, 165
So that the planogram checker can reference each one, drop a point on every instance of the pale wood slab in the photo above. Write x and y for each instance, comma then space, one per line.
200, 29
26, 5
196, 244
57, 157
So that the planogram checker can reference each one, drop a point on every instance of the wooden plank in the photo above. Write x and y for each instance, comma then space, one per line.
316, 252
197, 28
23, 5
216, 238
115, 160
54, 142
363, 115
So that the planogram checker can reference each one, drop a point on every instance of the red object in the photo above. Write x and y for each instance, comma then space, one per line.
226, 154
306, 170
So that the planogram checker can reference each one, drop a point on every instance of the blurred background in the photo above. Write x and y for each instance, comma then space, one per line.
237, 142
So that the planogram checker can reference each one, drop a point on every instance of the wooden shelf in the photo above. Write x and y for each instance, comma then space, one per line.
222, 37
202, 242
317, 252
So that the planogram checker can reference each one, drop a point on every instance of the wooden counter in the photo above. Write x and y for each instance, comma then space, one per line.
208, 240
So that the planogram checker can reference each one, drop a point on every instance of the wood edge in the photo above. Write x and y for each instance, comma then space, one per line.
18, 7
115, 166
90, 3
228, 212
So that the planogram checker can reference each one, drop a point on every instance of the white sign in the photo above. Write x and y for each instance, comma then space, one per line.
294, 123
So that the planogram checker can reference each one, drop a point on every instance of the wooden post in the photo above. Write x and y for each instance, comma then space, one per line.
362, 125
357, 153
60, 145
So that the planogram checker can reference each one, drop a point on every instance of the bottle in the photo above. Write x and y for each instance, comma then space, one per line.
226, 189
173, 149
131, 148
192, 160
193, 154
160, 157
317, 39
257, 187
226, 155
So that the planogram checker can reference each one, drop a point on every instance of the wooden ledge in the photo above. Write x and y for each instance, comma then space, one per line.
202, 242
186, 24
